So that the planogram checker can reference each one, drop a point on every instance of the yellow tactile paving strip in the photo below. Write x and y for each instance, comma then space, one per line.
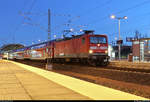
91, 90
17, 83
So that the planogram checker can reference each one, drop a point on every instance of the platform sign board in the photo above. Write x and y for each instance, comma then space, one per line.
119, 41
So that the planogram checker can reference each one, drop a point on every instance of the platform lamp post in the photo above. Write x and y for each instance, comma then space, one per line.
119, 41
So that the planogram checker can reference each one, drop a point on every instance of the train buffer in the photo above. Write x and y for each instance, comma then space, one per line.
23, 82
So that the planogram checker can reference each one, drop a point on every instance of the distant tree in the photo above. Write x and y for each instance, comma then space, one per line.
137, 34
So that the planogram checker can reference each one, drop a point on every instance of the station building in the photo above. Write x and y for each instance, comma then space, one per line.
113, 52
141, 50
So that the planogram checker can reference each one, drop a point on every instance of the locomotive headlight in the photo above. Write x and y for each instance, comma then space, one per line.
90, 51
106, 51
98, 45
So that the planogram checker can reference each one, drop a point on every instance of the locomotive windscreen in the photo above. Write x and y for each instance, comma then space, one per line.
98, 40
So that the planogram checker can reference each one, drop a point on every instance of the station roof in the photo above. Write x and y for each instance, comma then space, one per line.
10, 47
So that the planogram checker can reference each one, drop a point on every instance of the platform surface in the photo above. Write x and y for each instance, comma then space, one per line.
17, 83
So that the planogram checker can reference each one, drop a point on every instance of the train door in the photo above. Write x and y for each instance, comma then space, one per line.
44, 53
47, 52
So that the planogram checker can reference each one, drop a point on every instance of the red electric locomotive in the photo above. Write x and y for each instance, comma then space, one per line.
86, 48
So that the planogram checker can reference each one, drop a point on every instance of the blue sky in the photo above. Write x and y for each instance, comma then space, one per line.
17, 27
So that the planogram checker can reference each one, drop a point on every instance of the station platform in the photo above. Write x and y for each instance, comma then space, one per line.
23, 82
17, 83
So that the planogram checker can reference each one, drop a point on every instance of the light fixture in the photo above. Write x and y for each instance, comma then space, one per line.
113, 16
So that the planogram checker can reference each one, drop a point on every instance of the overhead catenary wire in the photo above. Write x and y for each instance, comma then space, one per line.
23, 7
122, 11
18, 26
72, 19
89, 10
133, 7
68, 24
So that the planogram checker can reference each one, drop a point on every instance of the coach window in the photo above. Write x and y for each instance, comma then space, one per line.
44, 53
83, 40
47, 50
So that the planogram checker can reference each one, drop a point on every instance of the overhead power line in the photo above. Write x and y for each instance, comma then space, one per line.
32, 5
122, 11
133, 7
18, 26
78, 17
90, 10
24, 4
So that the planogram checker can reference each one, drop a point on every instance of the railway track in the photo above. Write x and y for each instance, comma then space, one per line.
130, 69
115, 67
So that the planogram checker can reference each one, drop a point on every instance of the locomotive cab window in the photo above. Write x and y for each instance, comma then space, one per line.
83, 40
98, 40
